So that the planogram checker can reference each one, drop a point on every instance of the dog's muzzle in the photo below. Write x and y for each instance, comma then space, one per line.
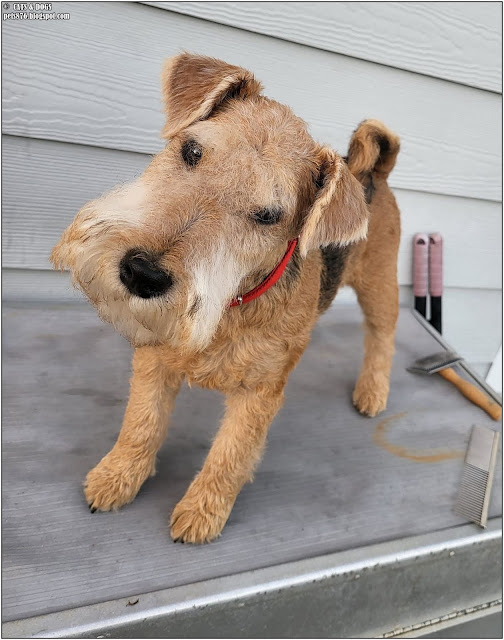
142, 276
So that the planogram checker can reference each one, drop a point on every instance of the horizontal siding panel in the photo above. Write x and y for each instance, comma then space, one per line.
45, 184
451, 141
472, 237
20, 285
457, 41
58, 179
471, 324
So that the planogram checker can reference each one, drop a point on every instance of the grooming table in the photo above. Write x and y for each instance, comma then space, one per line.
337, 537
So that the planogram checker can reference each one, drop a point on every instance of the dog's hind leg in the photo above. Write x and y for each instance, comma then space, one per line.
371, 156
374, 279
117, 478
380, 305
237, 448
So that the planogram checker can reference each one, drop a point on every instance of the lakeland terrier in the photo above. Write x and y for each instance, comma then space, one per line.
216, 263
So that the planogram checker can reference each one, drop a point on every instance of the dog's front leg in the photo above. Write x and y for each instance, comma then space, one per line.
237, 448
116, 480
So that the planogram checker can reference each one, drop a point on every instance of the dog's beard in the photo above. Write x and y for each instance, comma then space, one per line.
188, 315
188, 320
92, 249
141, 322
215, 281
94, 269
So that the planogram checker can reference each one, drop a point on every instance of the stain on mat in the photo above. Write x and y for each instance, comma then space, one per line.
380, 438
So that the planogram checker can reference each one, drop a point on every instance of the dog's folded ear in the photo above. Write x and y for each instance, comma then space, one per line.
339, 214
193, 86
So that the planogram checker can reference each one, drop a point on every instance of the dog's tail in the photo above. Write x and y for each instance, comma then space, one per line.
373, 149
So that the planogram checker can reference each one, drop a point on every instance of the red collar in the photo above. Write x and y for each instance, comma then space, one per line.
270, 279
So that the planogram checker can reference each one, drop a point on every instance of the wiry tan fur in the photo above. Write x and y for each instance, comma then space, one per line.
198, 223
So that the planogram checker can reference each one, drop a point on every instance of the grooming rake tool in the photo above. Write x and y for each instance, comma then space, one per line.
473, 498
441, 363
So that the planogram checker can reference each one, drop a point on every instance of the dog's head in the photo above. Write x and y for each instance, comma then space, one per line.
162, 257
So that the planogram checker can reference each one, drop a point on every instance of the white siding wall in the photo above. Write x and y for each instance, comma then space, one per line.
81, 112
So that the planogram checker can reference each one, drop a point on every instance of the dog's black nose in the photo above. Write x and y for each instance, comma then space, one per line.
140, 274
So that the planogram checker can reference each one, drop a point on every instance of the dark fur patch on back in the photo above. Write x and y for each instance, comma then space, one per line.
334, 260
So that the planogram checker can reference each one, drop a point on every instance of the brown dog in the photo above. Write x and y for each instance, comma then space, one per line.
209, 221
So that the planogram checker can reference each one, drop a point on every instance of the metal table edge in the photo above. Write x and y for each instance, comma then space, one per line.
118, 618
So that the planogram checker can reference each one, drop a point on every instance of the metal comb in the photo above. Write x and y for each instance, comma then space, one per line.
473, 498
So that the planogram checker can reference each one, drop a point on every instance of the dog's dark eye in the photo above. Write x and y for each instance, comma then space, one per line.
191, 153
267, 216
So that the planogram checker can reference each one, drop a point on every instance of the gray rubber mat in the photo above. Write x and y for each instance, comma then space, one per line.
329, 481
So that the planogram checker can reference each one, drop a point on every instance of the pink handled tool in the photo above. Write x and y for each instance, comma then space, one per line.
435, 278
420, 271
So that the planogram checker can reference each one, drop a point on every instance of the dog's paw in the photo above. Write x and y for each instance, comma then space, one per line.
114, 482
370, 398
199, 517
